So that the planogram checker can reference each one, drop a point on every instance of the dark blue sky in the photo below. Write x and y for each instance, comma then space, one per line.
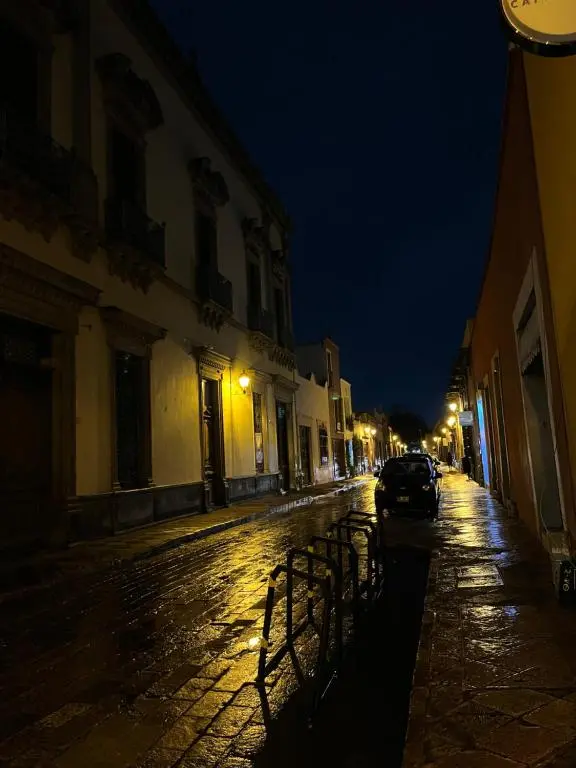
378, 125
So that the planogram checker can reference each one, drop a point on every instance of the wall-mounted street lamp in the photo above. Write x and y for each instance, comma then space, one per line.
451, 421
453, 407
372, 431
244, 381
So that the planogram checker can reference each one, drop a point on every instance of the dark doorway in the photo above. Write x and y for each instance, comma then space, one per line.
212, 444
282, 442
306, 455
541, 445
26, 489
130, 415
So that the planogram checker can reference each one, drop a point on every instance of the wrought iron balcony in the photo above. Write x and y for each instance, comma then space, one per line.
26, 154
213, 287
128, 225
260, 320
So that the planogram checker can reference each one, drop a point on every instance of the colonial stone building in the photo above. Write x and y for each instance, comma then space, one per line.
146, 355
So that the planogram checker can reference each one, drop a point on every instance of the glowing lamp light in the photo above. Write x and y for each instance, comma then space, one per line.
372, 431
244, 381
451, 421
444, 430
453, 407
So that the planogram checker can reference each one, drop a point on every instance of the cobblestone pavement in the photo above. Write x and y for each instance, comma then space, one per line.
495, 679
140, 665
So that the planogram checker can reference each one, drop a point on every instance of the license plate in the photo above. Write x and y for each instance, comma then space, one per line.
403, 499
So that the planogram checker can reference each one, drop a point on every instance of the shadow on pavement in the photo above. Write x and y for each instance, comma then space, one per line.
365, 713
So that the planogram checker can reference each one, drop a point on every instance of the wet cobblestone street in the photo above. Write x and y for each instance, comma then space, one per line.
137, 666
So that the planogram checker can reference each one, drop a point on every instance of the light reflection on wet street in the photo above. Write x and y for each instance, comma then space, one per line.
138, 667
117, 659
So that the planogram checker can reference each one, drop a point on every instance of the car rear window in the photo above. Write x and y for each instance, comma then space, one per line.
406, 468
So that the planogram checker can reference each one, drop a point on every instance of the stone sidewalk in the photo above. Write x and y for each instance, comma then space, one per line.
24, 574
495, 678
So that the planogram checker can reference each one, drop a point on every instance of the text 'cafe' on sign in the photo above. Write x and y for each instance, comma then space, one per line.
544, 27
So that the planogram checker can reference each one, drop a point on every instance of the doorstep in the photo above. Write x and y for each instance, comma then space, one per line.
42, 570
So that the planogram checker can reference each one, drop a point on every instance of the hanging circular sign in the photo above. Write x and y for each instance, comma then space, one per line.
546, 27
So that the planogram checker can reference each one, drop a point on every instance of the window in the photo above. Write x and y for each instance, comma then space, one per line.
323, 444
338, 414
258, 431
19, 86
206, 240
329, 369
254, 285
126, 165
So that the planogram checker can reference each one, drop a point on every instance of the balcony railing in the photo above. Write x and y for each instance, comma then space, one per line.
26, 150
214, 287
127, 224
260, 320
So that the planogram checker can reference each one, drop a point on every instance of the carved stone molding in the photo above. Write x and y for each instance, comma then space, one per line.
128, 97
131, 266
278, 264
130, 333
41, 293
211, 364
212, 316
259, 342
208, 184
255, 237
283, 357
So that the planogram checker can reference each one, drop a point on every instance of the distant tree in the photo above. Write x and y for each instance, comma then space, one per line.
410, 426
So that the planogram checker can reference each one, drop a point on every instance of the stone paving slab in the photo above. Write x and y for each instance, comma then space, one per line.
495, 677
36, 572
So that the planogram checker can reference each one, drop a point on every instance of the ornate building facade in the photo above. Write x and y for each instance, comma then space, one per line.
146, 353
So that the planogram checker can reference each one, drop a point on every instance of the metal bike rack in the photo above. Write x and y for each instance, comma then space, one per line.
339, 591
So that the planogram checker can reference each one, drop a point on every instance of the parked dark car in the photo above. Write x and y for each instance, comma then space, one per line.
410, 485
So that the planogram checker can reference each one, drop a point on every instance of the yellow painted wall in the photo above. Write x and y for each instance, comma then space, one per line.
551, 87
312, 410
176, 453
93, 406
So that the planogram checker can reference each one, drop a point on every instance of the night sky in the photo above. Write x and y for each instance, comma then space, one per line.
378, 125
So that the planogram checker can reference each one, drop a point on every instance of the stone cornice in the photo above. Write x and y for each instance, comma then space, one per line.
124, 327
283, 357
35, 278
143, 21
211, 364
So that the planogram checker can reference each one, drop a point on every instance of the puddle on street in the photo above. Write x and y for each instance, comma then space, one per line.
365, 713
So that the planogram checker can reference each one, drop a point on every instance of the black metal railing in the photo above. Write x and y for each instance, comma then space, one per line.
343, 574
26, 150
260, 320
213, 286
127, 224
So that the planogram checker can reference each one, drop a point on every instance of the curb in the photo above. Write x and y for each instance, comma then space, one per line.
274, 509
171, 544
